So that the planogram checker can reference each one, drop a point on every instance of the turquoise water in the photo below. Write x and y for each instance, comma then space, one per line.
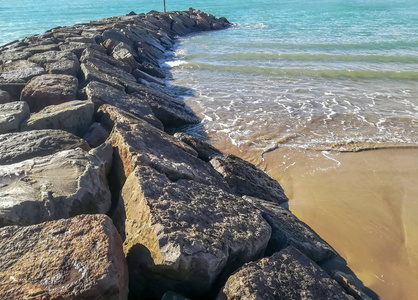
312, 73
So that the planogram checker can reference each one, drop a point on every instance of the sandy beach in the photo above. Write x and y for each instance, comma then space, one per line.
363, 203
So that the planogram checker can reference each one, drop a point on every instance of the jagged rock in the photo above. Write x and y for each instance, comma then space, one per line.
21, 70
96, 135
69, 67
73, 116
78, 48
142, 75
52, 57
245, 179
349, 285
178, 26
14, 88
91, 53
49, 89
288, 230
116, 35
13, 55
101, 93
287, 274
136, 142
4, 97
125, 54
170, 111
12, 114
152, 70
105, 152
205, 151
20, 146
77, 258
92, 74
183, 235
61, 185
42, 48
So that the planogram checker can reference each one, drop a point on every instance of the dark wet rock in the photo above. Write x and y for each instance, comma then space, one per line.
152, 70
20, 146
96, 135
77, 258
73, 116
101, 93
287, 274
349, 285
183, 235
170, 111
173, 296
12, 114
4, 97
91, 53
205, 151
149, 78
288, 230
178, 26
245, 179
61, 185
49, 89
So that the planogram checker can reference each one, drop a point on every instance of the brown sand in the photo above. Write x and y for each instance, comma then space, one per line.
364, 204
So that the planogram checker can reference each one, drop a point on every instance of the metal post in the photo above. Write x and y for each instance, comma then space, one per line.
164, 7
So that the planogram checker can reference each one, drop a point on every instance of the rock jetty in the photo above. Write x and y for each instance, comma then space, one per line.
98, 201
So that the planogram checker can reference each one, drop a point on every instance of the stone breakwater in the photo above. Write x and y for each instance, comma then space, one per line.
97, 201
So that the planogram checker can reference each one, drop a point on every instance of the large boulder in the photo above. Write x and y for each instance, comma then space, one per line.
77, 258
245, 179
96, 135
49, 89
20, 70
13, 87
61, 185
20, 146
139, 143
287, 274
73, 116
288, 230
91, 53
101, 93
183, 235
12, 114
205, 151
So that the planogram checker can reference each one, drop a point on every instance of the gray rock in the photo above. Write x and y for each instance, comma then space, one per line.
142, 75
14, 88
105, 153
74, 116
245, 179
4, 97
21, 71
101, 93
205, 151
350, 286
90, 74
49, 89
69, 67
12, 114
20, 146
96, 135
16, 65
152, 70
78, 48
13, 55
77, 258
61, 185
42, 48
170, 111
125, 55
288, 230
91, 53
287, 274
184, 235
52, 57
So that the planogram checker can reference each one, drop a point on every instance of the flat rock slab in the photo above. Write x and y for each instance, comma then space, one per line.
245, 179
77, 258
287, 274
140, 143
12, 114
183, 235
101, 93
62, 185
288, 230
49, 89
20, 146
73, 116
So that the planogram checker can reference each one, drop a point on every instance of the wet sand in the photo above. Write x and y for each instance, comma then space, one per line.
365, 204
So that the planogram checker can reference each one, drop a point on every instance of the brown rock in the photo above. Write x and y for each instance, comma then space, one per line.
12, 114
50, 89
78, 258
245, 179
184, 235
73, 116
61, 185
287, 274
20, 146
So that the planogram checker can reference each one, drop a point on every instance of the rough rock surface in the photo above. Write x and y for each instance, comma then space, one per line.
62, 185
287, 274
205, 151
77, 258
245, 179
96, 135
4, 97
73, 116
288, 230
182, 235
12, 114
49, 89
19, 146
